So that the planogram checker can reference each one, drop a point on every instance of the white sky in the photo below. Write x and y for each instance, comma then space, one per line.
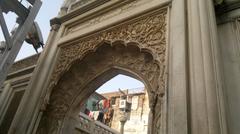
120, 81
49, 10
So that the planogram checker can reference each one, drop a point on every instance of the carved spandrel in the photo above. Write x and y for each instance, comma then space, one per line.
149, 32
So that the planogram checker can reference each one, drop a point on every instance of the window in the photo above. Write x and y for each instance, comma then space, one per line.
113, 101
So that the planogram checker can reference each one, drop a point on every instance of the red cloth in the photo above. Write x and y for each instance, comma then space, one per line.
106, 103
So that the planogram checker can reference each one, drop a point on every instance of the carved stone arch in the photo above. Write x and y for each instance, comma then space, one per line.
88, 73
148, 31
137, 47
71, 118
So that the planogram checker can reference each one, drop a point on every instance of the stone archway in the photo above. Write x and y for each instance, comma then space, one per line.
136, 48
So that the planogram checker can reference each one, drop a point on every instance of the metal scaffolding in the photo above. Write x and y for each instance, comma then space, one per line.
10, 48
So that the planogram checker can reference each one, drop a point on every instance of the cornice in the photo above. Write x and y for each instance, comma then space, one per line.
110, 16
22, 72
24, 63
82, 10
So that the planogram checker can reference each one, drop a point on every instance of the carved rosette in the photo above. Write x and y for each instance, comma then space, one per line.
147, 32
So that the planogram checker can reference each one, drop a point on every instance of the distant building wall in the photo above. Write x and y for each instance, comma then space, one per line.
138, 120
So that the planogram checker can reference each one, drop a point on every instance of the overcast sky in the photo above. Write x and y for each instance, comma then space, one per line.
49, 10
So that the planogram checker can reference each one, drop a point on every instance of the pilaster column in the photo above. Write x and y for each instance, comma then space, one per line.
177, 102
150, 119
4, 97
29, 111
205, 80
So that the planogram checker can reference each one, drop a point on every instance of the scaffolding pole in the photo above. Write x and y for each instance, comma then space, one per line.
13, 44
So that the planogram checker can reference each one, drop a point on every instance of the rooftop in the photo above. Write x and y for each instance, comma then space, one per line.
133, 91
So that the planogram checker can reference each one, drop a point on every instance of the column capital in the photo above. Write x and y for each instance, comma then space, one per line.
55, 24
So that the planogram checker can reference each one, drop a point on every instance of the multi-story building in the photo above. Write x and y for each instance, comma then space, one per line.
137, 122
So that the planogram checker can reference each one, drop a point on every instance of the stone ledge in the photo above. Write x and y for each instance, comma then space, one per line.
24, 63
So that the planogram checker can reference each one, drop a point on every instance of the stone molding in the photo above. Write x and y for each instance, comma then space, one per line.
24, 63
86, 5
123, 9
107, 15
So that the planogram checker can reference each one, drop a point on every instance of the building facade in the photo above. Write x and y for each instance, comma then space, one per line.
186, 52
137, 122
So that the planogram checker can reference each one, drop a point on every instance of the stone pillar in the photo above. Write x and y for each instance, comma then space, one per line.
204, 74
27, 115
229, 42
150, 116
122, 127
123, 120
3, 97
177, 120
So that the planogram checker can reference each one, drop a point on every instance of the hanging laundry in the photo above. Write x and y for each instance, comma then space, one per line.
91, 114
100, 117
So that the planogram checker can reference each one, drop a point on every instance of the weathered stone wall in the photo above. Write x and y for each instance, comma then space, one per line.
13, 91
229, 45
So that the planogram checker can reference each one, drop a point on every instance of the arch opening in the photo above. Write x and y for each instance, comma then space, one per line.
87, 74
103, 106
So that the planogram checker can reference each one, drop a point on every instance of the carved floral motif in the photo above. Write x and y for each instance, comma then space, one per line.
149, 32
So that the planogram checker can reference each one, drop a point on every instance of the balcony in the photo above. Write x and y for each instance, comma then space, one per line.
89, 126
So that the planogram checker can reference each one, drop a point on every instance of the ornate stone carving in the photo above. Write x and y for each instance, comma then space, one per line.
89, 57
108, 15
149, 32
87, 69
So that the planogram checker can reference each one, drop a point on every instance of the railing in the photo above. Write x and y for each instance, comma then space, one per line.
89, 126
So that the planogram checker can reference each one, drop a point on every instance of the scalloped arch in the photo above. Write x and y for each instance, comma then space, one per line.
137, 47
